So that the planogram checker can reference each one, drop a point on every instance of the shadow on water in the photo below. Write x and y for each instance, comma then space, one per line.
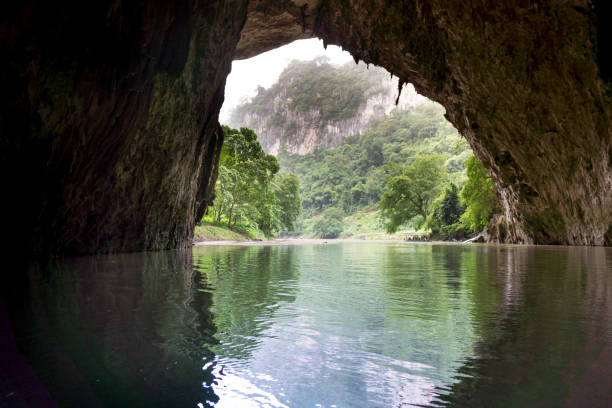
140, 329
127, 330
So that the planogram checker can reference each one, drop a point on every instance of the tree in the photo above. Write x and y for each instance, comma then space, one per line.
444, 220
245, 173
374, 154
413, 191
330, 224
287, 190
223, 192
450, 206
479, 195
249, 190
253, 168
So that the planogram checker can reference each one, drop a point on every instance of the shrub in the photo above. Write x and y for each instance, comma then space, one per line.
330, 225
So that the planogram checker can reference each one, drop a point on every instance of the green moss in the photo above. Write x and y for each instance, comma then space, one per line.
546, 226
290, 129
276, 120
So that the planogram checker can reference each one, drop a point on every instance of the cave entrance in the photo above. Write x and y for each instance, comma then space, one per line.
342, 128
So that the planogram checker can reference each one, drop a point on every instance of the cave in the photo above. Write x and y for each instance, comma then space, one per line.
109, 120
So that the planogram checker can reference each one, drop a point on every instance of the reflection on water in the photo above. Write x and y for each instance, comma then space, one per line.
125, 330
343, 325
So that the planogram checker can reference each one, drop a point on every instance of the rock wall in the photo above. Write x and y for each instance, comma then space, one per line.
109, 129
109, 123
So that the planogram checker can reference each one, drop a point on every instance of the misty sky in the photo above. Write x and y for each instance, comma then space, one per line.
264, 69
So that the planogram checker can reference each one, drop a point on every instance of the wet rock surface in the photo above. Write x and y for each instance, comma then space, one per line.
109, 125
109, 122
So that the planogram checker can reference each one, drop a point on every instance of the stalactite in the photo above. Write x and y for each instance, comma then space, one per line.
304, 8
400, 86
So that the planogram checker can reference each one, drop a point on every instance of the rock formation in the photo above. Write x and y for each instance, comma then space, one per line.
109, 121
109, 125
298, 116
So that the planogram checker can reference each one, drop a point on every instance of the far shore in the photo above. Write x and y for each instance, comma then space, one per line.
311, 241
303, 241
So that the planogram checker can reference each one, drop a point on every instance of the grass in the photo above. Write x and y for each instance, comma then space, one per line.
365, 224
207, 232
362, 223
248, 231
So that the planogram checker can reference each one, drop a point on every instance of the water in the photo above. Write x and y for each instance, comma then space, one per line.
339, 325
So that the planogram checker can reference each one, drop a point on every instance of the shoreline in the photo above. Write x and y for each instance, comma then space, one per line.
313, 241
307, 241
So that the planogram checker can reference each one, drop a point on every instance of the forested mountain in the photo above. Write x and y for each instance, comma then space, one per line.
406, 171
315, 104
353, 175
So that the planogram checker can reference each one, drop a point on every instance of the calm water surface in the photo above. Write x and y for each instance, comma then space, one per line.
339, 325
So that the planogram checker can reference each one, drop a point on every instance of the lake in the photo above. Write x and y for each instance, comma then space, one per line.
348, 324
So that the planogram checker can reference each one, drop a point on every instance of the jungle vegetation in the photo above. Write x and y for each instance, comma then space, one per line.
251, 196
410, 167
410, 170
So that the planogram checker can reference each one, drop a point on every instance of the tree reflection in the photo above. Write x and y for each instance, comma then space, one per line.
249, 285
546, 346
354, 324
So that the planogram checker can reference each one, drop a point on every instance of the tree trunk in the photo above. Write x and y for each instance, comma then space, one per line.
423, 213
229, 221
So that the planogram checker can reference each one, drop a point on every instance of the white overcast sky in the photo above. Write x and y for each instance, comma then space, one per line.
264, 69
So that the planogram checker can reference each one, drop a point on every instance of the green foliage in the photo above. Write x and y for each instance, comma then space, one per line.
479, 196
445, 218
336, 92
286, 188
290, 129
330, 224
276, 120
246, 188
353, 175
362, 223
450, 206
251, 230
206, 232
413, 191
386, 164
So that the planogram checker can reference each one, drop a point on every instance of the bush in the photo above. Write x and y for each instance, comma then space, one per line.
445, 218
330, 224
479, 195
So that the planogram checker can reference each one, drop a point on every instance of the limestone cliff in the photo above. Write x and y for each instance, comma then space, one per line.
109, 134
316, 104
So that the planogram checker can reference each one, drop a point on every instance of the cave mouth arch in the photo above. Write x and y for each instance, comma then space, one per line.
300, 98
511, 108
110, 116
